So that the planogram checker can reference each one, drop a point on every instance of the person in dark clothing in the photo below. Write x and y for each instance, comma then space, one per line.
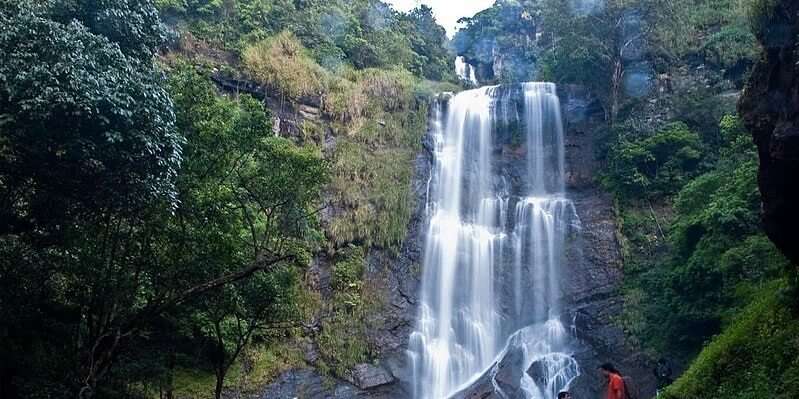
564, 395
663, 374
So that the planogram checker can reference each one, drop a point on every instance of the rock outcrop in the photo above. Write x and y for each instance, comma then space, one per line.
368, 376
769, 108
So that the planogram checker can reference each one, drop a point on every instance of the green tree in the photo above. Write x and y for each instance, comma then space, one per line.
718, 257
245, 195
653, 166
85, 126
428, 42
113, 217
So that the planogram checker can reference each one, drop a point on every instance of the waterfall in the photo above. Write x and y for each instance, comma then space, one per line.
465, 71
491, 277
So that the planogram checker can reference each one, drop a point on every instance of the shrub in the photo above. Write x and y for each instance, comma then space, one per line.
282, 63
368, 93
343, 341
731, 46
756, 356
654, 166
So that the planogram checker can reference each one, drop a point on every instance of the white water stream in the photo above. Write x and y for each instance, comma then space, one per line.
465, 71
491, 279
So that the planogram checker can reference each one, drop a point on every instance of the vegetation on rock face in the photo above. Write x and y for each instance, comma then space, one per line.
377, 120
351, 303
283, 64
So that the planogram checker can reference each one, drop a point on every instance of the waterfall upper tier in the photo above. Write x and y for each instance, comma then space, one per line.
490, 273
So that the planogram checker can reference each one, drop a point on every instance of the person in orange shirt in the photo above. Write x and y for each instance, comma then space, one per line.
615, 381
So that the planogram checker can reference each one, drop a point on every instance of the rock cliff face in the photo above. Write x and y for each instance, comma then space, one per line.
590, 286
595, 267
770, 109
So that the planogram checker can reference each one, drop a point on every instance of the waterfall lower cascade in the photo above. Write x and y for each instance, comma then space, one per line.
498, 223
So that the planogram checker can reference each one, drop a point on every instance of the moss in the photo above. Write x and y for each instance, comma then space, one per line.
373, 190
756, 356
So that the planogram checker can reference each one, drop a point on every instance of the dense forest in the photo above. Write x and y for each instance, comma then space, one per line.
174, 172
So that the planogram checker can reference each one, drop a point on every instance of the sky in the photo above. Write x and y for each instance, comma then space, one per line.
447, 12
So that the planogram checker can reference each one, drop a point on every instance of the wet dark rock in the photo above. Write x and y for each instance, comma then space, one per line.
366, 376
538, 372
307, 384
769, 108
509, 374
310, 384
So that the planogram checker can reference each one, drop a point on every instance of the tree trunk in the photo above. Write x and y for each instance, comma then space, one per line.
220, 381
615, 90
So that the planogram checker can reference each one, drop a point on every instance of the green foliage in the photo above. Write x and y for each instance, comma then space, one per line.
343, 341
653, 166
716, 258
428, 41
339, 33
373, 162
715, 30
84, 124
245, 195
242, 202
701, 109
755, 356
132, 24
730, 46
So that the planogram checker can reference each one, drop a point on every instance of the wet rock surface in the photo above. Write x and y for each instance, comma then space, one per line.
367, 376
309, 384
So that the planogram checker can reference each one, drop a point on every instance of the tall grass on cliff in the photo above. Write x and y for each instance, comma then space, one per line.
283, 64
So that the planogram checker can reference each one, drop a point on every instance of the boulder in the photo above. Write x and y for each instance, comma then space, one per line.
367, 376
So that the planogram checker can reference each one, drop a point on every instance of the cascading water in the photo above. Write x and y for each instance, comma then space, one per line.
465, 71
491, 277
